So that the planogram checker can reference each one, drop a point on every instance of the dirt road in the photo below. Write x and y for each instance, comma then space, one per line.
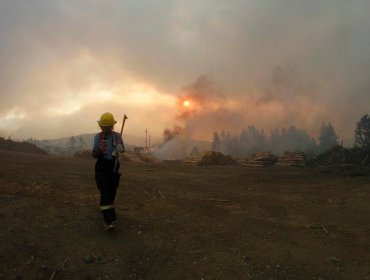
183, 222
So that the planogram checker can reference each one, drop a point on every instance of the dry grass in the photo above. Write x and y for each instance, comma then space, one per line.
183, 222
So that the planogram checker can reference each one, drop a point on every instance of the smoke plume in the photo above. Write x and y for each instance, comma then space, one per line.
169, 134
273, 64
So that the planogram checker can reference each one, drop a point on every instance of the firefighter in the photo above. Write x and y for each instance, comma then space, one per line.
107, 144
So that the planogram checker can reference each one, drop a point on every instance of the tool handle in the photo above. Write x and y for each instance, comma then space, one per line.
123, 123
117, 153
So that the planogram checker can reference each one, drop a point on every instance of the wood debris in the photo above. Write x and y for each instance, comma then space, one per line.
365, 159
160, 193
262, 159
292, 159
217, 200
195, 158
320, 226
217, 158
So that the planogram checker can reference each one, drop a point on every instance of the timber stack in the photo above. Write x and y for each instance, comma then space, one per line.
195, 158
262, 159
292, 159
217, 158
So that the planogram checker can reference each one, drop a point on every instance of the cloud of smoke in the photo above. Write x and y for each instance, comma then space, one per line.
173, 149
169, 134
282, 102
209, 109
280, 63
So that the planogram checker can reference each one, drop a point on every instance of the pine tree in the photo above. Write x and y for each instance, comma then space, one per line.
362, 133
328, 138
216, 142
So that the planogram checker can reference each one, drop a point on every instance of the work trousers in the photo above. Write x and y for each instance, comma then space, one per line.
107, 181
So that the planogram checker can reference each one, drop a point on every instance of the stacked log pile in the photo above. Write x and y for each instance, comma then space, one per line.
241, 160
217, 158
195, 158
292, 159
263, 159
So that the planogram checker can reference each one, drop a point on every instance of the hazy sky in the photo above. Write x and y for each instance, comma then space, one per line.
271, 63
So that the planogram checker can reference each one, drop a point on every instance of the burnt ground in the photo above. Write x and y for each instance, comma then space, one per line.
183, 222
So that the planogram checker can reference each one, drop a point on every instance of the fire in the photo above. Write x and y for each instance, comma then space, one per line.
186, 103
187, 107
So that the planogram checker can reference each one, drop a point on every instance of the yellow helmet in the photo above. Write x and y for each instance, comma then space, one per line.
106, 119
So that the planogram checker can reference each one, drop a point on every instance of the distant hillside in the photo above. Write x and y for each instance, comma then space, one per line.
86, 140
70, 145
25, 147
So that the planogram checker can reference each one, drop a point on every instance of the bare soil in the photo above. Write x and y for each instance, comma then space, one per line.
183, 222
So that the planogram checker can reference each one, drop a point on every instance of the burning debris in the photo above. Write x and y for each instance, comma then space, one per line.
174, 149
199, 112
169, 134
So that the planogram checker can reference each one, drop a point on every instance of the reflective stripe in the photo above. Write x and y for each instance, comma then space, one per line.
106, 207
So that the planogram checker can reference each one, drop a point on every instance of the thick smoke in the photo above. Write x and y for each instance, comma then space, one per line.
174, 149
209, 109
169, 134
173, 146
280, 63
209, 114
252, 140
206, 110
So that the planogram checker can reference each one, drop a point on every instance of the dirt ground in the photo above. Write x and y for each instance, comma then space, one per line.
183, 222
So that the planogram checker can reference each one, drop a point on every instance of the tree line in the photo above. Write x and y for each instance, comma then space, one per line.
251, 140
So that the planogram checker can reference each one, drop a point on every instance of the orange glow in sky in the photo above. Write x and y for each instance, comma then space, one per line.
186, 103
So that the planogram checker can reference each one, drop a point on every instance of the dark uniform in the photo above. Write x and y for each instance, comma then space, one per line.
107, 176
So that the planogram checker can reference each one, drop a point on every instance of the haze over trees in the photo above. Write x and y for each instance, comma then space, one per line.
328, 138
291, 139
362, 133
252, 140
75, 144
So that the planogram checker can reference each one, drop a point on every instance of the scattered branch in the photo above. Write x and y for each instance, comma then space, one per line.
159, 191
57, 270
320, 226
216, 200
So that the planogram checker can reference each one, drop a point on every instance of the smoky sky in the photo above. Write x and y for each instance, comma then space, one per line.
283, 62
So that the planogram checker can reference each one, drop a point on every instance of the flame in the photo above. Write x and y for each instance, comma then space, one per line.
187, 107
186, 103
